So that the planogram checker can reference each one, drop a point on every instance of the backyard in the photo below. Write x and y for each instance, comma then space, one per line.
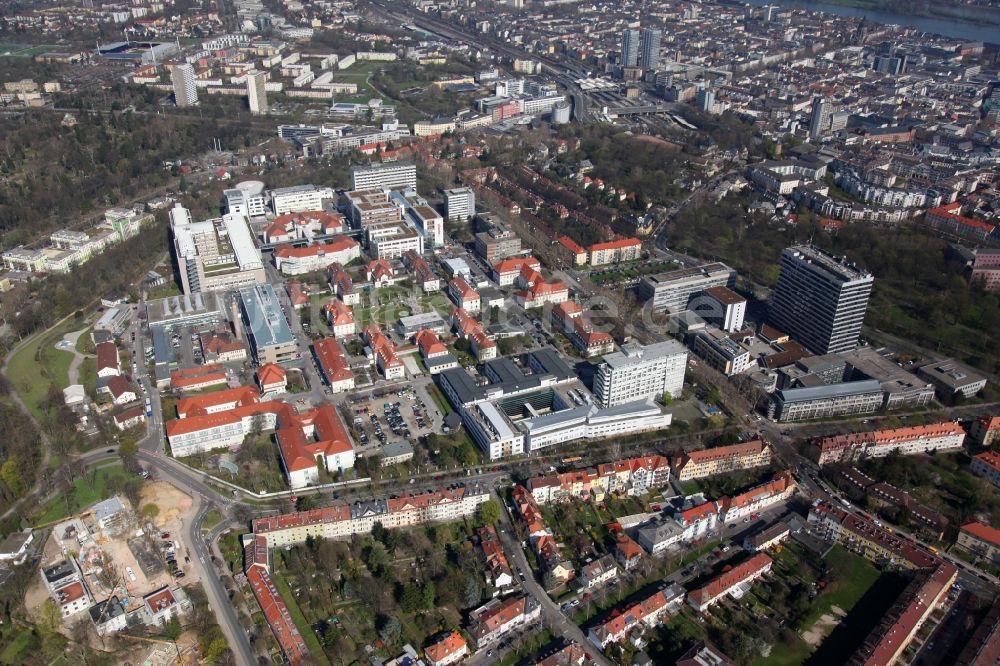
93, 486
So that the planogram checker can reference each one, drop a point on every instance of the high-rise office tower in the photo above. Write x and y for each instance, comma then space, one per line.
706, 100
820, 300
819, 122
256, 92
185, 92
649, 53
630, 48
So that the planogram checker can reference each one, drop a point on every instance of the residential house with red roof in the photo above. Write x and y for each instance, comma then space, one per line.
736, 581
308, 439
463, 296
697, 521
384, 353
634, 618
160, 607
627, 552
446, 650
570, 251
340, 318
468, 328
436, 356
257, 568
379, 273
498, 618
333, 364
272, 379
122, 390
500, 575
758, 498
107, 359
317, 256
220, 346
342, 285
421, 271
129, 418
296, 294
536, 292
505, 272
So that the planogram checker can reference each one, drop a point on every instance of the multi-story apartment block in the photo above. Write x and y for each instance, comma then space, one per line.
980, 540
247, 199
463, 296
460, 204
300, 198
735, 580
645, 614
985, 430
722, 459
498, 618
497, 242
985, 271
256, 92
570, 251
851, 447
68, 587
633, 476
756, 499
613, 252
820, 300
672, 290
182, 80
987, 465
215, 255
341, 521
389, 176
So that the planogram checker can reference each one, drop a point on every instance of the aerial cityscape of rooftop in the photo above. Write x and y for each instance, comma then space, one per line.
514, 333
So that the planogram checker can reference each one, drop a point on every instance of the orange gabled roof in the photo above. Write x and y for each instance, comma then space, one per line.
381, 346
753, 447
107, 355
462, 288
429, 343
731, 578
315, 249
206, 421
448, 645
277, 616
984, 532
571, 245
516, 264
616, 244
338, 312
781, 482
270, 373
329, 436
200, 404
331, 360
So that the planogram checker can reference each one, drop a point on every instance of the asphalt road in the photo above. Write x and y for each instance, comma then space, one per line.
554, 617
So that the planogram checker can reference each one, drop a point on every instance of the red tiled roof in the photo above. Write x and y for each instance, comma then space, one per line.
338, 312
429, 343
205, 421
751, 448
278, 617
314, 249
989, 458
570, 245
515, 265
984, 532
381, 346
448, 645
720, 584
107, 356
270, 373
332, 360
119, 386
329, 436
889, 436
615, 244
196, 405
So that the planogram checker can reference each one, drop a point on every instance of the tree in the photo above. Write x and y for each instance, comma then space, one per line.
473, 592
11, 476
488, 513
150, 511
173, 628
49, 616
389, 630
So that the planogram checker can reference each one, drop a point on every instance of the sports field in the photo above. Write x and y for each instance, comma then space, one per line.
11, 50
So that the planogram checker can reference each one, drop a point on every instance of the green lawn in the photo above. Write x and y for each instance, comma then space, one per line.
88, 489
690, 487
854, 575
40, 364
312, 641
212, 518
15, 651
442, 403
790, 651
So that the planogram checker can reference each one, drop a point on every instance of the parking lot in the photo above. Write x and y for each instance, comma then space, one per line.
395, 417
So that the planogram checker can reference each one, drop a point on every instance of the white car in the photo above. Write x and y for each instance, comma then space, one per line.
131, 574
